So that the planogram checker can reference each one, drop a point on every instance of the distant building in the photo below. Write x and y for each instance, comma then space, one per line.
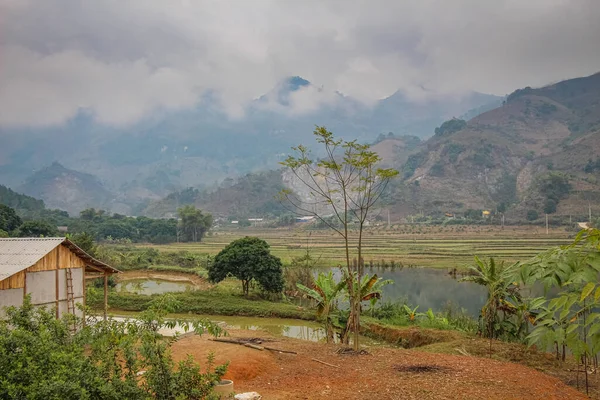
255, 219
305, 219
235, 222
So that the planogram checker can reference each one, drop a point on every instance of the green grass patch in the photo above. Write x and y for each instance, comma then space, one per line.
213, 301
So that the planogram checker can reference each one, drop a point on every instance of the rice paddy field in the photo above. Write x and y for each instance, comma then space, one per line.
406, 245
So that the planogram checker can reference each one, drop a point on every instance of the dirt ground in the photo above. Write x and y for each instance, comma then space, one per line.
385, 373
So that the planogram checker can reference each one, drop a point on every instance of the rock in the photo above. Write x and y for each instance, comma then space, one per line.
248, 396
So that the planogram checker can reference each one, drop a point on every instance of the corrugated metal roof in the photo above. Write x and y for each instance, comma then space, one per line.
17, 254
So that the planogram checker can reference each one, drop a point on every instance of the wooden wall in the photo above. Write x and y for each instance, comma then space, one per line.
59, 258
15, 281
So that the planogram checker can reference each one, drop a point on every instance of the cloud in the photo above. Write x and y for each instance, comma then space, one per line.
123, 60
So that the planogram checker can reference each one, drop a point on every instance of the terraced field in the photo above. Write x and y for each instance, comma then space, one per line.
441, 247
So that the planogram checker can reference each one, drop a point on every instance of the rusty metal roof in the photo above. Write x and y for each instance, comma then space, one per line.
17, 254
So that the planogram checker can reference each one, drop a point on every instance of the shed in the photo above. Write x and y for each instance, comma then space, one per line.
53, 271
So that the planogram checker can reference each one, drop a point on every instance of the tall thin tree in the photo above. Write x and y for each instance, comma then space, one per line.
345, 183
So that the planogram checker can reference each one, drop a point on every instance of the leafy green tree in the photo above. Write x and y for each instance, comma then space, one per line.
37, 229
325, 291
554, 186
549, 206
347, 183
40, 358
570, 319
248, 259
85, 242
116, 229
532, 215
9, 220
501, 208
194, 224
91, 214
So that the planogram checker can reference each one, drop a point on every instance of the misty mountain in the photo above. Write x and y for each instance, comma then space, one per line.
69, 190
538, 151
170, 151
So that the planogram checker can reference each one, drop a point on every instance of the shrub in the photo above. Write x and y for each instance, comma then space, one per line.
532, 215
40, 358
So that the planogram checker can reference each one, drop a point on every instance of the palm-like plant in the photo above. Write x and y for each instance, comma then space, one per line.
325, 292
499, 281
411, 312
370, 288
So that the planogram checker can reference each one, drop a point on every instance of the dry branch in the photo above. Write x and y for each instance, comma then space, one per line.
252, 346
324, 363
279, 350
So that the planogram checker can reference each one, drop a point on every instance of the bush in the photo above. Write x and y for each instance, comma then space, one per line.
41, 359
532, 215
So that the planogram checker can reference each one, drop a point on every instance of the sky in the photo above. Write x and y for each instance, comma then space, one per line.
122, 60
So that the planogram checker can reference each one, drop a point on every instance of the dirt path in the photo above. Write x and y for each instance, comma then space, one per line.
384, 374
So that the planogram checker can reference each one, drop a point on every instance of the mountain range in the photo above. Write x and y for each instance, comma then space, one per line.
537, 151
83, 163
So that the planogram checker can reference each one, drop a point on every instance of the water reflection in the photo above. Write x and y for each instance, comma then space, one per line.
303, 332
428, 288
152, 286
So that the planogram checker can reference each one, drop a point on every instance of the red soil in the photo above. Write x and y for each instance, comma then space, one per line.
386, 373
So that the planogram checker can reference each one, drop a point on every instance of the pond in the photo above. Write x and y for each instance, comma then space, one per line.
293, 328
429, 288
152, 286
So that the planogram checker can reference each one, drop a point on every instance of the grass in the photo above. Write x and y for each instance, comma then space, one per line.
223, 299
408, 245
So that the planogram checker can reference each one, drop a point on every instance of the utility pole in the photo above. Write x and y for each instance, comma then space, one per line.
546, 224
389, 218
502, 220
590, 212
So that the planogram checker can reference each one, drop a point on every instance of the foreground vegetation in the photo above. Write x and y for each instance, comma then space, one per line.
42, 357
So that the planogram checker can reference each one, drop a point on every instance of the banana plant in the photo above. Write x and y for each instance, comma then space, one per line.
499, 281
411, 312
325, 291
369, 288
